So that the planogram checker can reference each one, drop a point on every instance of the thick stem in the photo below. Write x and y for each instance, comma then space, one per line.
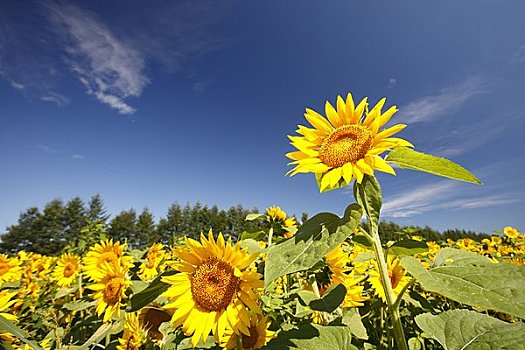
393, 311
270, 236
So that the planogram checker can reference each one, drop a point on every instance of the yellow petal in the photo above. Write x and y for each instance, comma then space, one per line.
385, 117
347, 172
364, 167
332, 115
318, 121
390, 131
349, 108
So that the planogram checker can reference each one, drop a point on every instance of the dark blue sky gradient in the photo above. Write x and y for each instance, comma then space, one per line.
203, 94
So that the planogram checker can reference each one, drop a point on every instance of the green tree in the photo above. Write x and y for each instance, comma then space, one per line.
75, 219
96, 210
146, 233
20, 236
123, 227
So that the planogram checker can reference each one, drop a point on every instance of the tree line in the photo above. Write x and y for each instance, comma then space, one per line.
59, 226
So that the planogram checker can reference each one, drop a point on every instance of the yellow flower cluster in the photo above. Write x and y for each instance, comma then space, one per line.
213, 287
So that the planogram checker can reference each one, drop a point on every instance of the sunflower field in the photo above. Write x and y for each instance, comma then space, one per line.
328, 282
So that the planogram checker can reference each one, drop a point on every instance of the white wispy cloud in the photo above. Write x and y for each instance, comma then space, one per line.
392, 82
418, 200
110, 68
77, 156
17, 86
449, 195
56, 98
47, 149
448, 100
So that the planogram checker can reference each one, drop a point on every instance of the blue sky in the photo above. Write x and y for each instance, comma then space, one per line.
192, 101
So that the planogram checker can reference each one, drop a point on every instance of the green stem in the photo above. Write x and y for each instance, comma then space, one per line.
270, 236
400, 295
238, 342
387, 287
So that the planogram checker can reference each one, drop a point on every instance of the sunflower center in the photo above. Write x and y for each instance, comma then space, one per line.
150, 264
112, 291
394, 280
214, 284
346, 144
69, 270
3, 268
249, 342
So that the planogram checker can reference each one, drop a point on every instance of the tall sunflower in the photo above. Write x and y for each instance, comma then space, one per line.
346, 144
214, 289
106, 253
66, 270
110, 290
398, 279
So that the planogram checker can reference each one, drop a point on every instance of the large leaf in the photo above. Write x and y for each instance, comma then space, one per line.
316, 237
469, 330
150, 293
313, 337
407, 158
331, 299
473, 280
368, 196
408, 247
352, 319
6, 326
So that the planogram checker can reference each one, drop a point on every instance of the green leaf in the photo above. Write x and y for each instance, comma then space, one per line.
352, 319
7, 326
62, 292
408, 247
332, 298
469, 330
362, 241
316, 237
313, 337
146, 296
368, 196
79, 305
471, 280
407, 158
255, 216
102, 331
252, 245
256, 235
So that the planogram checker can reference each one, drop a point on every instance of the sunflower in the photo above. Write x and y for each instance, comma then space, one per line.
66, 270
134, 335
275, 214
9, 269
106, 253
346, 145
214, 289
337, 261
259, 334
398, 279
511, 232
152, 267
110, 290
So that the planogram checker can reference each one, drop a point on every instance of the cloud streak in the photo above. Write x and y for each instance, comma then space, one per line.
110, 68
443, 195
448, 100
